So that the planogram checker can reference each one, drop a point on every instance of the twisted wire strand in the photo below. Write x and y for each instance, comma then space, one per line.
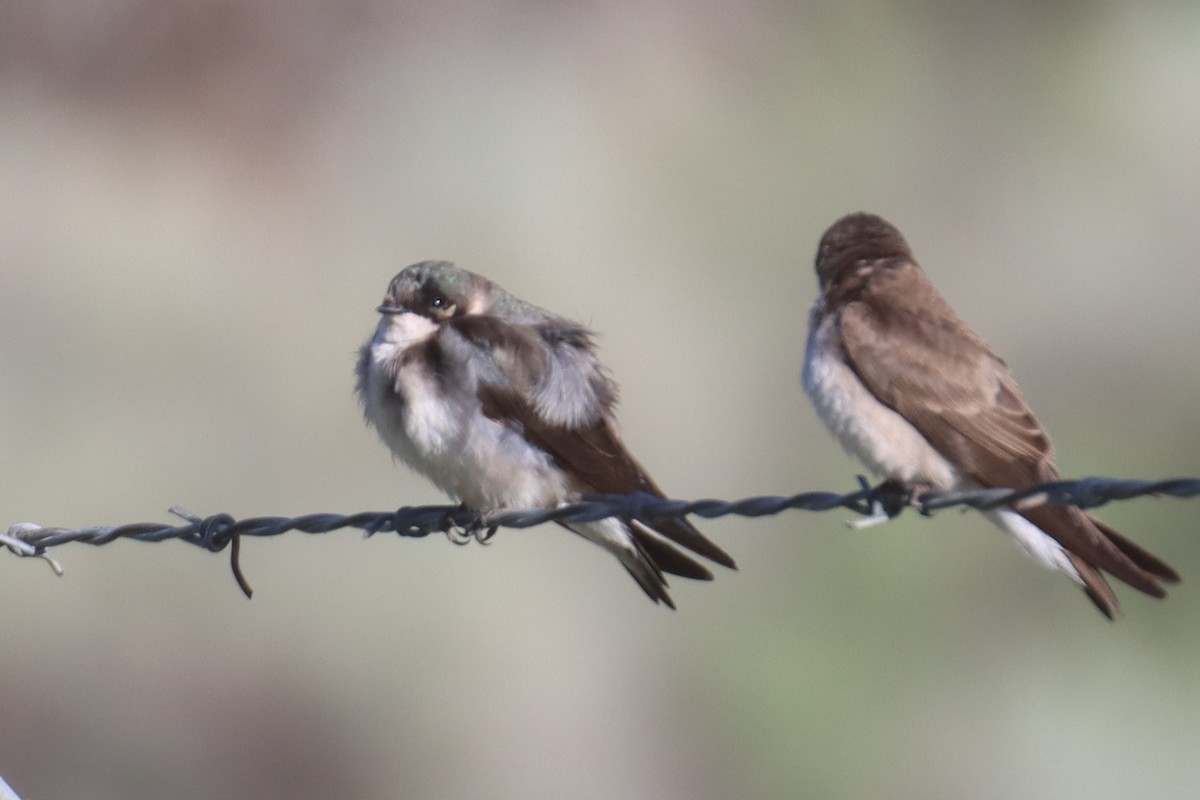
218, 531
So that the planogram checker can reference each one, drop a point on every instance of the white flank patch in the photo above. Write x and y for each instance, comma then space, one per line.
1034, 541
613, 535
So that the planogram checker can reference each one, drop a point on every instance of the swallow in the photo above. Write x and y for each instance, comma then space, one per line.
504, 405
923, 401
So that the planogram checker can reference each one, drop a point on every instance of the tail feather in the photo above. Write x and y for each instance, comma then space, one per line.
1095, 587
1138, 555
1085, 540
667, 557
1066, 539
615, 536
684, 534
647, 553
647, 574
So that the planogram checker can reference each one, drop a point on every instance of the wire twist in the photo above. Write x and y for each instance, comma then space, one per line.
876, 504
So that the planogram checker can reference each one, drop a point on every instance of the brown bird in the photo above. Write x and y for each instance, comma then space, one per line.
921, 399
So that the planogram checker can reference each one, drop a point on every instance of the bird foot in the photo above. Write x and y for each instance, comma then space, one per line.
476, 529
887, 500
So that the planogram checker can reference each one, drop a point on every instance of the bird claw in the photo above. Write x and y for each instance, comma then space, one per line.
887, 500
477, 529
459, 535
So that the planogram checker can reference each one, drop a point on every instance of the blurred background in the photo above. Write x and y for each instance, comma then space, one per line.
202, 202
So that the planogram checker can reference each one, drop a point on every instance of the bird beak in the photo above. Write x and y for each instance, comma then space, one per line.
386, 309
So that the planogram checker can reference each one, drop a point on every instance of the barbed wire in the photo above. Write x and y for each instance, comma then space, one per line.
875, 504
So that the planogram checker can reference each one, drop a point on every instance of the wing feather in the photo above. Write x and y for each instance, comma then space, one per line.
546, 381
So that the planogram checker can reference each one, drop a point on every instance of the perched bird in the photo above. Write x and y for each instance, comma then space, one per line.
922, 400
504, 405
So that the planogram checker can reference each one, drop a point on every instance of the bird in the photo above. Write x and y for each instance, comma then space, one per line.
923, 401
504, 405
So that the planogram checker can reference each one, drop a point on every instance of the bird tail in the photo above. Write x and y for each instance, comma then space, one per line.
1072, 541
649, 554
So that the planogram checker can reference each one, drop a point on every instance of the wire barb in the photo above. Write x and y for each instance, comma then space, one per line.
460, 524
18, 545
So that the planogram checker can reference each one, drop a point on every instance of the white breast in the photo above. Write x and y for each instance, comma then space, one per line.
879, 437
443, 434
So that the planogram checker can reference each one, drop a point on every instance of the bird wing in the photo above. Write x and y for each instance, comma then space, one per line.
545, 381
921, 361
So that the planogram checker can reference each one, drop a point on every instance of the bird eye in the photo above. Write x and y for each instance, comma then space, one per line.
441, 308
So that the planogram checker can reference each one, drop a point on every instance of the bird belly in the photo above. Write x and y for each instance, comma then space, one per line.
875, 434
443, 434
498, 468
